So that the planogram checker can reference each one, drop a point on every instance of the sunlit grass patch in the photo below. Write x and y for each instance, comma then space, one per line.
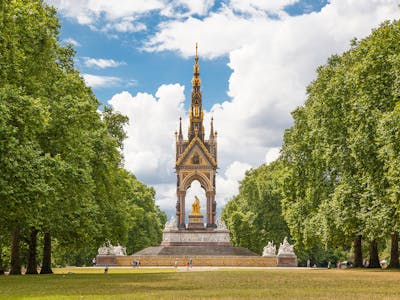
111, 270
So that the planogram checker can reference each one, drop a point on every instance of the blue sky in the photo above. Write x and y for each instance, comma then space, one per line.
256, 59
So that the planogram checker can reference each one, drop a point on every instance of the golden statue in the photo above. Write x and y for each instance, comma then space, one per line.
196, 206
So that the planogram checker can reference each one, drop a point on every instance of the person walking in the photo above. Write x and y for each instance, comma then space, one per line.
176, 263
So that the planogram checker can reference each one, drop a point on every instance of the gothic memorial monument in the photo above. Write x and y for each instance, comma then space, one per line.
200, 238
196, 157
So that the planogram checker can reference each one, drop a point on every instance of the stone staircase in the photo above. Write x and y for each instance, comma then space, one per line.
196, 251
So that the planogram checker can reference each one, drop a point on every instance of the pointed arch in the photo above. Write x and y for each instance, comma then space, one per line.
200, 177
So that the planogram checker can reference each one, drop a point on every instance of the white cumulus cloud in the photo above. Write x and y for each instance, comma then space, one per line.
272, 154
96, 81
149, 150
106, 15
228, 182
102, 63
72, 41
121, 16
184, 8
88, 11
260, 7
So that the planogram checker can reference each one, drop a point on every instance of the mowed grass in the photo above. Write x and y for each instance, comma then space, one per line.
162, 283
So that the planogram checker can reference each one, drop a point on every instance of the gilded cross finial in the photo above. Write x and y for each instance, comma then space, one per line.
197, 56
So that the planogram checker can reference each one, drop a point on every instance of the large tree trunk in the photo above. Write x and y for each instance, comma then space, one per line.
15, 253
46, 262
374, 255
1, 260
32, 266
394, 251
358, 258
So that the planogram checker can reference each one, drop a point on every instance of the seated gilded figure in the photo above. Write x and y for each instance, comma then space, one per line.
196, 207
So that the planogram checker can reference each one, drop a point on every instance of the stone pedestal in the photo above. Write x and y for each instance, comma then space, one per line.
107, 254
286, 256
287, 260
195, 222
202, 237
109, 260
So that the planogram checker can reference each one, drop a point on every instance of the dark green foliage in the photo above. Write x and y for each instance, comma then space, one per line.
254, 216
145, 221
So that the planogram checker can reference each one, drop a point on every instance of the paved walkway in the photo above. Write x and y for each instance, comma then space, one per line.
202, 269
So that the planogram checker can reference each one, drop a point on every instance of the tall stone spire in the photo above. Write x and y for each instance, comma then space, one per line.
196, 73
196, 109
212, 129
180, 135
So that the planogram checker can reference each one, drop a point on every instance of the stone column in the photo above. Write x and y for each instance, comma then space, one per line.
181, 216
210, 209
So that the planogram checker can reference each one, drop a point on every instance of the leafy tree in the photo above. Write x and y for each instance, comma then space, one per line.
27, 54
145, 220
61, 160
334, 150
22, 119
254, 216
389, 129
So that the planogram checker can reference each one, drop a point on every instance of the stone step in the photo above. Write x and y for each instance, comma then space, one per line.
196, 251
217, 261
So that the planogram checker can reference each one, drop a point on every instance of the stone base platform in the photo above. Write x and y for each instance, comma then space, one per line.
217, 261
218, 256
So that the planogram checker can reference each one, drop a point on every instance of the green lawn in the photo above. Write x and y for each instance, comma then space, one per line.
161, 283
